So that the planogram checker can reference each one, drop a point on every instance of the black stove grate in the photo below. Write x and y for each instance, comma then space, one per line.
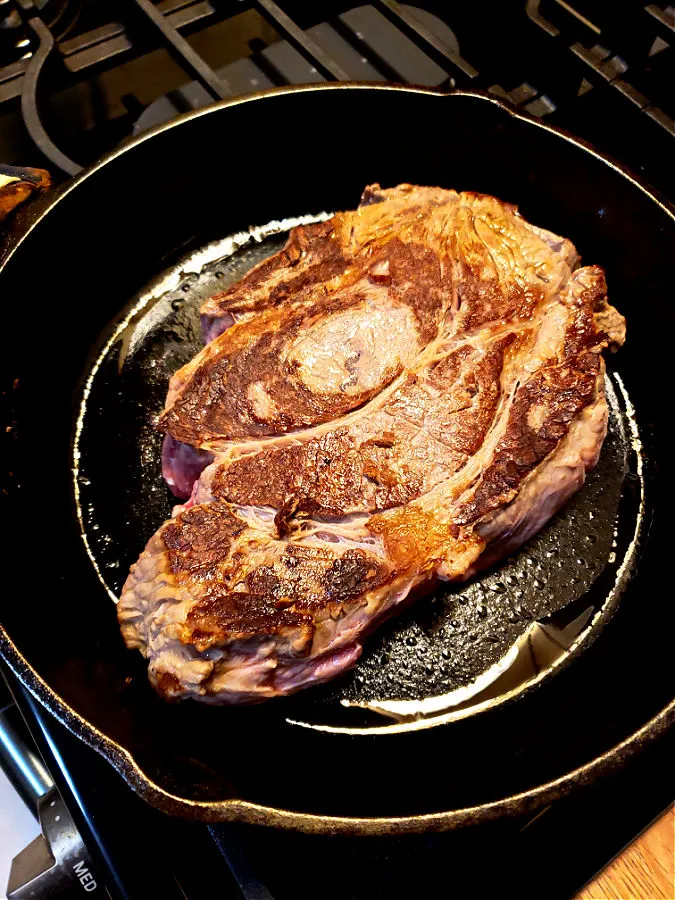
605, 71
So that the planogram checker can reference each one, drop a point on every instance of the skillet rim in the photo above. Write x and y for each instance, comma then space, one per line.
243, 810
22, 225
236, 810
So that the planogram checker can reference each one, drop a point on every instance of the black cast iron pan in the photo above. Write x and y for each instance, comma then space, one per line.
99, 297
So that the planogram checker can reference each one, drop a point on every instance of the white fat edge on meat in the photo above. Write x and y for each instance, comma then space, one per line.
346, 532
350, 532
260, 518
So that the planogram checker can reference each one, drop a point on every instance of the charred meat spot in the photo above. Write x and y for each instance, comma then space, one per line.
276, 598
386, 440
201, 536
222, 615
351, 574
372, 194
283, 602
371, 471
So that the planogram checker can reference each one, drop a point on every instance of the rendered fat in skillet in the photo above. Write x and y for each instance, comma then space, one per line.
405, 393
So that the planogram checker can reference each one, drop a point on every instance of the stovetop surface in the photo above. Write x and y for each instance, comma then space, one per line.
75, 78
601, 70
142, 853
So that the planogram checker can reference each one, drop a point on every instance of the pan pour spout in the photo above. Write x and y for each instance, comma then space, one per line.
406, 392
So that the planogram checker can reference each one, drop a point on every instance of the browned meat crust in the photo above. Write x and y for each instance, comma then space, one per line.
214, 398
404, 393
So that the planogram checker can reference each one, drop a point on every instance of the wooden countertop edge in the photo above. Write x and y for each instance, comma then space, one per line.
645, 870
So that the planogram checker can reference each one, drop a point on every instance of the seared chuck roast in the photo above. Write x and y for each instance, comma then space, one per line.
404, 393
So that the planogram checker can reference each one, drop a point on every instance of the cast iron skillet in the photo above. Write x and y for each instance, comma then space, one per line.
84, 368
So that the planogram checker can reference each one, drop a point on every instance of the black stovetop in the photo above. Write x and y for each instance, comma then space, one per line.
604, 71
77, 76
141, 853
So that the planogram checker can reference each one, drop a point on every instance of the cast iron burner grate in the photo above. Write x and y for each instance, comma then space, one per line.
83, 81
